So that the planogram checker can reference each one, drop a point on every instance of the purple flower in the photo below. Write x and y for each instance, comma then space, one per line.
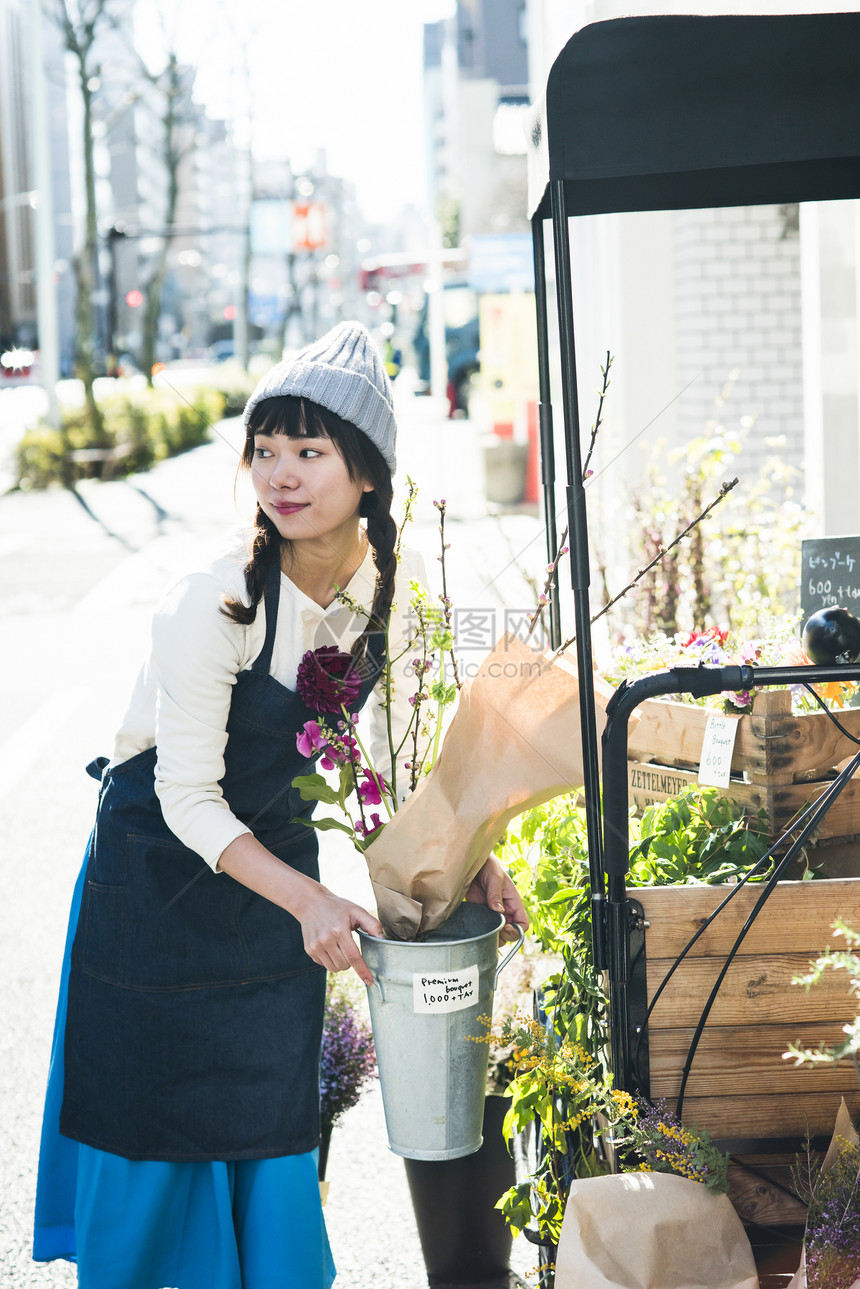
347, 1060
362, 829
370, 788
311, 739
327, 679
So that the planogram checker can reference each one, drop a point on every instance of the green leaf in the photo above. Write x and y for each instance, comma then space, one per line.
325, 825
442, 693
313, 787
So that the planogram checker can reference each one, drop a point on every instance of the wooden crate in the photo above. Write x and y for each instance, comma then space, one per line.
740, 1086
780, 763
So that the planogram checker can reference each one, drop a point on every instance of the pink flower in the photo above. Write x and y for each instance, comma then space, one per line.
341, 750
362, 830
327, 679
751, 652
311, 739
369, 789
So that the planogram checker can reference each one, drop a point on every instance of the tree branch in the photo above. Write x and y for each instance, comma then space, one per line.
661, 554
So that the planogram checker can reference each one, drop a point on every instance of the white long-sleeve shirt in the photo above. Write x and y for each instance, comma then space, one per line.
181, 699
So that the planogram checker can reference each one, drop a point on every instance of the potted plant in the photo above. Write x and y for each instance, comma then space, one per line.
464, 1236
698, 838
831, 1186
347, 1062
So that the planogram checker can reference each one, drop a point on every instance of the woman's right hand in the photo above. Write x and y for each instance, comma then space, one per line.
328, 921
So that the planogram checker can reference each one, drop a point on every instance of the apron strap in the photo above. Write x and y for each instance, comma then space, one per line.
271, 596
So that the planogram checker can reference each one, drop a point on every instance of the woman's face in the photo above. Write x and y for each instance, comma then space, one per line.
304, 487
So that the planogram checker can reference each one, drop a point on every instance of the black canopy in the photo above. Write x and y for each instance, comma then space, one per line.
667, 113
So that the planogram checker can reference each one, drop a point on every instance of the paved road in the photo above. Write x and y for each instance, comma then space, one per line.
79, 574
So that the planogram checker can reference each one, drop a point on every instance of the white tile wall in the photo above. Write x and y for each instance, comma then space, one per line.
737, 293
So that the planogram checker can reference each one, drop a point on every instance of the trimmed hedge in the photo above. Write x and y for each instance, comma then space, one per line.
141, 428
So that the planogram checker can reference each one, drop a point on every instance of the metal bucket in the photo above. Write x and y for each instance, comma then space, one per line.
425, 1002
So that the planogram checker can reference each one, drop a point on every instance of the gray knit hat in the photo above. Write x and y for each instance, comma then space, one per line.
343, 372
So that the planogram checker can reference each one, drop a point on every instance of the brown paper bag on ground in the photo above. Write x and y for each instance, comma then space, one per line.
843, 1134
514, 742
651, 1231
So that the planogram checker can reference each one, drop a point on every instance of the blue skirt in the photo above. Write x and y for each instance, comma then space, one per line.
131, 1224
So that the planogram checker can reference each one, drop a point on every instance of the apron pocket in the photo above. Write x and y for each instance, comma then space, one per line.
185, 932
103, 931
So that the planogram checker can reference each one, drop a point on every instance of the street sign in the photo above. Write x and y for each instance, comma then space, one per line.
829, 574
309, 226
500, 262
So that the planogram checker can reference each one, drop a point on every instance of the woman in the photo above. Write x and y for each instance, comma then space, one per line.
182, 1115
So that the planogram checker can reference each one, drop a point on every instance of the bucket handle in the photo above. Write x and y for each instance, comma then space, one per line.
504, 962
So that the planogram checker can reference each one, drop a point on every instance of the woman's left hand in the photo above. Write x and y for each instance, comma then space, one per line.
492, 886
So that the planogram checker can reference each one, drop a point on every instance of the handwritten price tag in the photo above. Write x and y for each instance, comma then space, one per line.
445, 991
717, 747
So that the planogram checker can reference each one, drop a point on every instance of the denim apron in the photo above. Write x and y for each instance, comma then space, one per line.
194, 1013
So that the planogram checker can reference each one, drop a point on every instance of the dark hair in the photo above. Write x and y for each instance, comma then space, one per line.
299, 418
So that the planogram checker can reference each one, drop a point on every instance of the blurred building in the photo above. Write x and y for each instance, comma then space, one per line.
745, 317
476, 95
305, 230
18, 198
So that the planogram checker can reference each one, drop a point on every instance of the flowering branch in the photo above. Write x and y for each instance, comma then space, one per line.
411, 494
604, 371
446, 602
661, 554
544, 597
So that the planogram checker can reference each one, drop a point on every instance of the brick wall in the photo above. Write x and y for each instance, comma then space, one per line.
737, 294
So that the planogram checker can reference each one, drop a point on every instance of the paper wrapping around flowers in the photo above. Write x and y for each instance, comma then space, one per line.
844, 1134
514, 742
651, 1231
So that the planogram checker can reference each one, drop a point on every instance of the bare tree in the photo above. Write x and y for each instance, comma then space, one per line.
82, 22
172, 100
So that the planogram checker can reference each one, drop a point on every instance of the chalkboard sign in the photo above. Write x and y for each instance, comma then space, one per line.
830, 574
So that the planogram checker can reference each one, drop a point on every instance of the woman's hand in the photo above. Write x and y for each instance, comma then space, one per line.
492, 886
328, 921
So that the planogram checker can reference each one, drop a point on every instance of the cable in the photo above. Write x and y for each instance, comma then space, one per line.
827, 712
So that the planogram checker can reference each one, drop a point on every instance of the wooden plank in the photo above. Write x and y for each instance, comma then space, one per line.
672, 734
767, 1116
782, 802
757, 1200
755, 991
798, 916
771, 742
745, 1060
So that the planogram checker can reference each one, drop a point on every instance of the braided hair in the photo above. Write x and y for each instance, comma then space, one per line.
299, 418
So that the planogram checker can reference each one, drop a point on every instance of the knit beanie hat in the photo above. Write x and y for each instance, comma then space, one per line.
343, 372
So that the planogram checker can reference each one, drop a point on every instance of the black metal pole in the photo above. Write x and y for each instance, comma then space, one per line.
547, 443
580, 574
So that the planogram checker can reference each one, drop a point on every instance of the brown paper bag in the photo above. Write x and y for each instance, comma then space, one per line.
651, 1231
514, 742
843, 1133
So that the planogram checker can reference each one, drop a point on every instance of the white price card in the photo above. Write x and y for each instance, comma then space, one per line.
444, 991
717, 747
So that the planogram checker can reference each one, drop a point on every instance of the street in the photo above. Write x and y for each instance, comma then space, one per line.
79, 576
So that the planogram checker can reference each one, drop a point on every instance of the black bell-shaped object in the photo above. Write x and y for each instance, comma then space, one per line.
832, 636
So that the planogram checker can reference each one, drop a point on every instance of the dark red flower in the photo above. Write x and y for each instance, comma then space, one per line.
327, 679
